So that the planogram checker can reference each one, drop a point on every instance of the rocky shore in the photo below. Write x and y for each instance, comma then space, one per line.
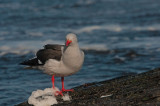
141, 89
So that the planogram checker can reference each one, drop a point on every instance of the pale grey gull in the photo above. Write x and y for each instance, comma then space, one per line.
59, 60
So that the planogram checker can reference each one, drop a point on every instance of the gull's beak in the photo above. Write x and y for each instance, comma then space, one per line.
68, 42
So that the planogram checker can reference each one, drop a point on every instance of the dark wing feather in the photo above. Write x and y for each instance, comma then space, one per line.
31, 62
44, 54
50, 51
53, 46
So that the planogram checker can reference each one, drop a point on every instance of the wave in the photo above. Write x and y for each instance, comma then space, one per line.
90, 29
25, 47
96, 47
154, 27
118, 28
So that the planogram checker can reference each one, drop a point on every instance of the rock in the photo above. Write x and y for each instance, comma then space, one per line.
141, 89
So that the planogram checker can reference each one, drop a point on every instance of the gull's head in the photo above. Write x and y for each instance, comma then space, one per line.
71, 39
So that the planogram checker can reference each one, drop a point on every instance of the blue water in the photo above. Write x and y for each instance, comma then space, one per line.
119, 37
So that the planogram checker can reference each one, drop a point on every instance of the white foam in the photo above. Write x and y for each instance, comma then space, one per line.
87, 29
24, 47
35, 33
147, 28
140, 42
98, 47
114, 28
117, 28
45, 97
66, 97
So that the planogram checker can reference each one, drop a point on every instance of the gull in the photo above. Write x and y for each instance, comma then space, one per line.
59, 60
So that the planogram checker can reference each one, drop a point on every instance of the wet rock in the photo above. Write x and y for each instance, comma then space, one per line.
142, 89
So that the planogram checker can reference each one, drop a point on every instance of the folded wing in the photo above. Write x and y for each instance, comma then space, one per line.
50, 51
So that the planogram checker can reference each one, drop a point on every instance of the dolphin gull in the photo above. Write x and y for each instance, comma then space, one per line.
59, 60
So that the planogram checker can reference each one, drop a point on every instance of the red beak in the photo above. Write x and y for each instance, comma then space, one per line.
68, 42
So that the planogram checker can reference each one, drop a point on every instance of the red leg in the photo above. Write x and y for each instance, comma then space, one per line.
57, 92
63, 89
53, 82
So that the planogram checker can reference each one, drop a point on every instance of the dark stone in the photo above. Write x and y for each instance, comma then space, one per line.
142, 89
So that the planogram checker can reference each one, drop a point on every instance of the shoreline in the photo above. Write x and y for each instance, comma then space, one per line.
140, 89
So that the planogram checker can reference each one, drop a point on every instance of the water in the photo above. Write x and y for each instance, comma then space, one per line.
119, 37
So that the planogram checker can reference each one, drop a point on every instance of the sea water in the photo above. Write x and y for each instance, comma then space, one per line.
119, 38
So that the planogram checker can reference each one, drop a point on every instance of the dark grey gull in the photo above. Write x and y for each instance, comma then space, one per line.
59, 60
